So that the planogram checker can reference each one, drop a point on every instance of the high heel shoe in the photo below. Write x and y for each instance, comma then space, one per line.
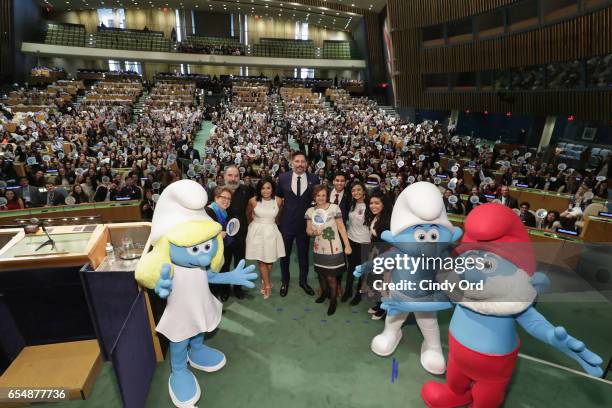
324, 294
267, 292
332, 307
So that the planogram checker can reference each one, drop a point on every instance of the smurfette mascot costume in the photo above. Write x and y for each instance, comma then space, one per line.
187, 254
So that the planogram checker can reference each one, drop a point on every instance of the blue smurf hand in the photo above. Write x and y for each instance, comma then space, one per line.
239, 276
576, 349
358, 271
540, 282
243, 275
164, 283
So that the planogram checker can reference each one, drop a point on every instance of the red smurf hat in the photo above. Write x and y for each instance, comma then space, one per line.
496, 228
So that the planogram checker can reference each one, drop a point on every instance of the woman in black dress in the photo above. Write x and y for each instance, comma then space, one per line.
379, 219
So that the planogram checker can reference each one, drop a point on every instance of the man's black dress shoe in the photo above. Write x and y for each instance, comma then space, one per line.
238, 292
356, 300
284, 289
309, 291
346, 296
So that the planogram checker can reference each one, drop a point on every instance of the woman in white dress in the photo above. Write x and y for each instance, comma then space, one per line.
264, 242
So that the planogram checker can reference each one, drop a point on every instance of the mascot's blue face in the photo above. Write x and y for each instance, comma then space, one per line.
437, 236
195, 256
486, 265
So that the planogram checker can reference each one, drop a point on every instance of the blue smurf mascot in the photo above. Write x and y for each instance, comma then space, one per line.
419, 226
187, 254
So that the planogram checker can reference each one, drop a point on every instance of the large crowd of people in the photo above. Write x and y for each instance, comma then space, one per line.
328, 172
351, 162
96, 150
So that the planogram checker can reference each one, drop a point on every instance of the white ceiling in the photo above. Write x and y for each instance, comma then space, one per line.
320, 16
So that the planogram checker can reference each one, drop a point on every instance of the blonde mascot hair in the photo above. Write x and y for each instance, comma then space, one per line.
186, 234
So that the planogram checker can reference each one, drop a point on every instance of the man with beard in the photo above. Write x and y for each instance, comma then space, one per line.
237, 209
295, 187
483, 342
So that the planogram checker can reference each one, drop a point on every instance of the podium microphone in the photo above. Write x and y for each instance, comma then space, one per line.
35, 224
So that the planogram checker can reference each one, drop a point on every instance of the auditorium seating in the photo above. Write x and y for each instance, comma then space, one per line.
301, 99
252, 96
598, 156
277, 47
145, 40
72, 35
139, 40
570, 153
203, 42
336, 50
171, 93
113, 93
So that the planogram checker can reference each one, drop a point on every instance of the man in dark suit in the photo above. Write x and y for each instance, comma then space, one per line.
527, 217
131, 189
188, 155
237, 209
295, 187
52, 196
340, 196
506, 199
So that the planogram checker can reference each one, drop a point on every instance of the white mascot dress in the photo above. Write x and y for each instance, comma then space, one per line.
187, 254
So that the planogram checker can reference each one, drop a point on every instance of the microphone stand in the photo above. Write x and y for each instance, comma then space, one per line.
49, 240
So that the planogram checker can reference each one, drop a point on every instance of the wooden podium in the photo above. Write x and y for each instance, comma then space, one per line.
64, 310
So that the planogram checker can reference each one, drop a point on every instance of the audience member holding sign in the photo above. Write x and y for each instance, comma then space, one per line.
324, 223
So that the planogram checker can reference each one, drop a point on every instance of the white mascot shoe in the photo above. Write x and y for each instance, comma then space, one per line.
432, 358
386, 342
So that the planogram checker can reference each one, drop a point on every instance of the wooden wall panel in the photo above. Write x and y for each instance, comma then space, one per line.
376, 57
582, 37
420, 13
7, 59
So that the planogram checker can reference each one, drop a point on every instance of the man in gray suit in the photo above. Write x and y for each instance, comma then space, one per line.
27, 193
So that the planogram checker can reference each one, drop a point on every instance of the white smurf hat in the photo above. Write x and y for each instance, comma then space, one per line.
181, 201
419, 203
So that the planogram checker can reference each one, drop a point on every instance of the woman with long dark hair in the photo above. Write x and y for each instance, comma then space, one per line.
12, 201
264, 242
379, 220
79, 195
359, 234
552, 221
